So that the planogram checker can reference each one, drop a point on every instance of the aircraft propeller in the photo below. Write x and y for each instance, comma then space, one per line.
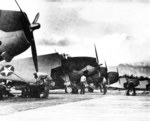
36, 18
106, 66
119, 77
31, 27
97, 60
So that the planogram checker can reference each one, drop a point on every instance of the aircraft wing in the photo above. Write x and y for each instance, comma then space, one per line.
120, 85
23, 69
142, 85
10, 20
116, 86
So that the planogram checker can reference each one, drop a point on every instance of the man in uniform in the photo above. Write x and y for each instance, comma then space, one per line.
83, 81
130, 86
47, 82
102, 84
4, 91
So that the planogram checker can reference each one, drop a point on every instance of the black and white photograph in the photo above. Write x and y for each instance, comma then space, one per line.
74, 60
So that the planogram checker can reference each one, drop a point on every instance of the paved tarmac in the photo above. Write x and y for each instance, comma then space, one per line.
102, 108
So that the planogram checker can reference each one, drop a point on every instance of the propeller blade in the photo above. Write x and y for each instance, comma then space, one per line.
106, 66
36, 18
33, 46
119, 77
23, 14
34, 54
97, 60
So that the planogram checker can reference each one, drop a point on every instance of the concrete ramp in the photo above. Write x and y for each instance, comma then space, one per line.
105, 108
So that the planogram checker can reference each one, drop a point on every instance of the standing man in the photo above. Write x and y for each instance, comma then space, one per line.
101, 82
104, 85
83, 81
46, 87
130, 86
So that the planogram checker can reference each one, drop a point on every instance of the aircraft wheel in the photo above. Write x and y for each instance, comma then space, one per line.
1, 92
127, 92
46, 92
91, 89
86, 89
68, 90
148, 87
34, 92
104, 89
75, 91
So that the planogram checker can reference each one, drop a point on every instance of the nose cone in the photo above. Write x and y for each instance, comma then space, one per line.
34, 26
103, 71
113, 77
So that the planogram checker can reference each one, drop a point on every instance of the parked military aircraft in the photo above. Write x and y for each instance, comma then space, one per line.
73, 68
16, 36
63, 69
132, 83
111, 76
21, 72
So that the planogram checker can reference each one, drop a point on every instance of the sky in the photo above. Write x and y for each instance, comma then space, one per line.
120, 29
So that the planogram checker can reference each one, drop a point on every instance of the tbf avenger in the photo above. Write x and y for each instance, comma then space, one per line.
20, 74
72, 69
65, 71
131, 83
16, 36
134, 83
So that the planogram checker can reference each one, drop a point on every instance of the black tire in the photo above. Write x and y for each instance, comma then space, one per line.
68, 89
34, 92
91, 89
148, 87
75, 91
86, 89
104, 89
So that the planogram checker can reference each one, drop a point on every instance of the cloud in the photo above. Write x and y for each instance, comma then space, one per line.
54, 0
60, 20
64, 42
120, 31
141, 1
53, 42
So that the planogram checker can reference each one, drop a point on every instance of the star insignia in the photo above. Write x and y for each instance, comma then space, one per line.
7, 70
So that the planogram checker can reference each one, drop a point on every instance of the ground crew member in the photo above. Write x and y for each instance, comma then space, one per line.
43, 83
35, 90
46, 87
4, 91
102, 84
130, 87
83, 81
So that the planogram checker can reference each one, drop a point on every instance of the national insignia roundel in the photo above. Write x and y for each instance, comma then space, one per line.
7, 70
